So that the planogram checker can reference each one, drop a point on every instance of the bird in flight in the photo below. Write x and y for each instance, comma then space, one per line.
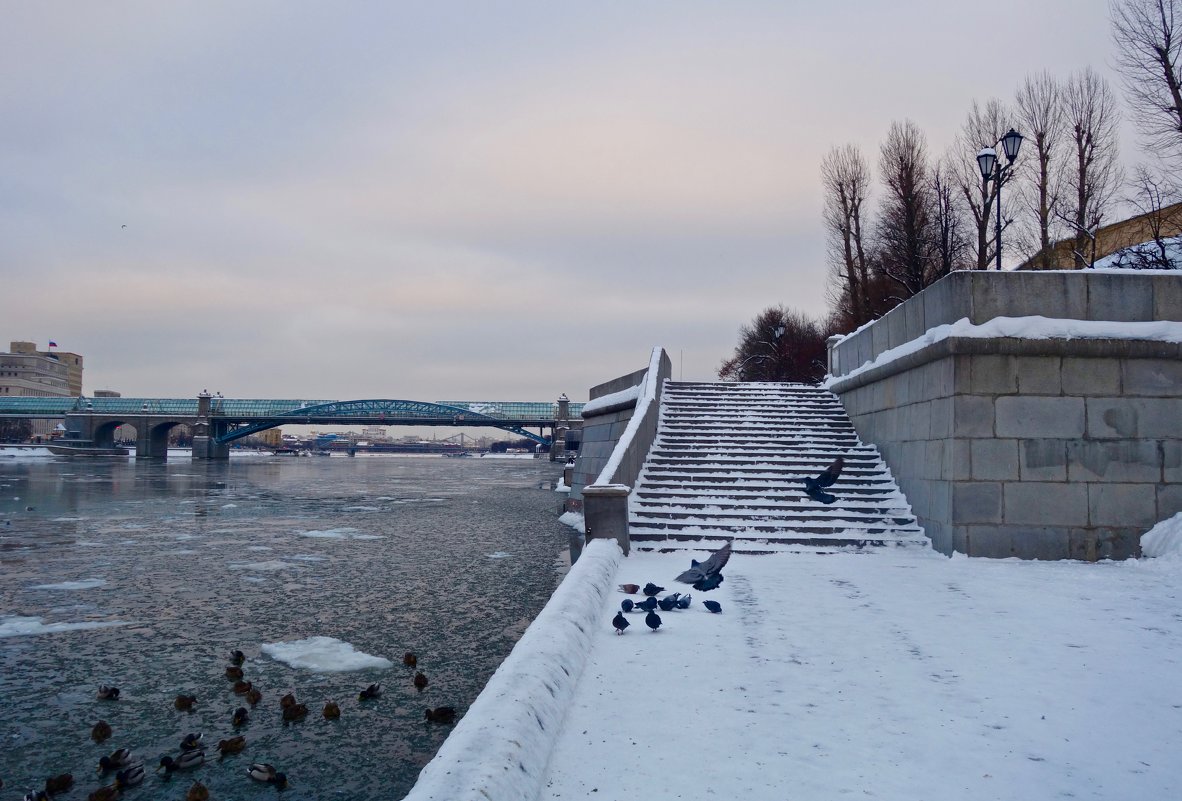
814, 487
706, 576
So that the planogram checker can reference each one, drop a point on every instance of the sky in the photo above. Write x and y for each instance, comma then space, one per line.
455, 201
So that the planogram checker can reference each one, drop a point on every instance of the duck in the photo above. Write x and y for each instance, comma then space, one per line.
107, 792
130, 776
262, 772
441, 714
186, 761
372, 691
107, 693
119, 758
232, 746
185, 703
233, 672
243, 687
332, 710
59, 784
409, 659
240, 717
253, 696
36, 795
192, 742
295, 712
287, 700
237, 657
198, 792
101, 731
420, 680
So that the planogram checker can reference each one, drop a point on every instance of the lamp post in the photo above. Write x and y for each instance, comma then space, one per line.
992, 169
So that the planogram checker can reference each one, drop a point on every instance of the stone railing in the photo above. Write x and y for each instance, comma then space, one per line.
619, 426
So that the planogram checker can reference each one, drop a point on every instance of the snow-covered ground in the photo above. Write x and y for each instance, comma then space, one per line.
899, 674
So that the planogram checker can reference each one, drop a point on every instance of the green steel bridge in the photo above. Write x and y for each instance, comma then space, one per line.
218, 421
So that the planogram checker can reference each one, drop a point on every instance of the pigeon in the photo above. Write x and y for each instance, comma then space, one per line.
684, 602
620, 622
652, 620
648, 604
813, 486
713, 606
651, 589
630, 589
820, 496
705, 576
667, 603
626, 605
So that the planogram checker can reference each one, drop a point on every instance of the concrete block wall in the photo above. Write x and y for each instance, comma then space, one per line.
1032, 448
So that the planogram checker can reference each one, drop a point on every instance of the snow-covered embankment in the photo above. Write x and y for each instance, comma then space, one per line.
501, 746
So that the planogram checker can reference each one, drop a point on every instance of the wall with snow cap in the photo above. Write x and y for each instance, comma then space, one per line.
1026, 414
500, 748
607, 422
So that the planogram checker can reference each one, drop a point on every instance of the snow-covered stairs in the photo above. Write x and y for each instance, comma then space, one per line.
729, 463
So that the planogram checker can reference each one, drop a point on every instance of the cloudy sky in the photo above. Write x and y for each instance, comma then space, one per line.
454, 200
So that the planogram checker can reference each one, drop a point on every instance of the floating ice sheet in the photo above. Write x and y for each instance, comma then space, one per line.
82, 584
29, 626
323, 655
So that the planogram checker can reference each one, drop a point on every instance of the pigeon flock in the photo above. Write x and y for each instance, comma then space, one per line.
703, 576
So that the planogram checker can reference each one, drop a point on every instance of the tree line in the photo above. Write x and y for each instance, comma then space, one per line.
936, 213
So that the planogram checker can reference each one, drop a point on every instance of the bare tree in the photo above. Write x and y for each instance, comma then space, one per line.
949, 245
1148, 48
1156, 197
780, 344
1092, 174
983, 127
846, 180
1040, 120
905, 217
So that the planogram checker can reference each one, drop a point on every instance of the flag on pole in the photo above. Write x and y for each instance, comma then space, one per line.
52, 344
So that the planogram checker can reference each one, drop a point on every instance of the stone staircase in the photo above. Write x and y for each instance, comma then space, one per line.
729, 461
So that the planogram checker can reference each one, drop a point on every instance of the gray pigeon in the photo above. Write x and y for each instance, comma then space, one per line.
701, 572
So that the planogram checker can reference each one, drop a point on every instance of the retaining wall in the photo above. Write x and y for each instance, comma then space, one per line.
1010, 446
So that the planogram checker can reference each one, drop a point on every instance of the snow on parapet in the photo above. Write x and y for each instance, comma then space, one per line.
1034, 327
502, 745
647, 396
1164, 539
614, 399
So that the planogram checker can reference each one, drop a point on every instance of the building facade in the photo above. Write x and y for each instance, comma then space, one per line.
26, 371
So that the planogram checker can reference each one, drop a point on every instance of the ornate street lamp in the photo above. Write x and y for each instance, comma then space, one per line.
992, 169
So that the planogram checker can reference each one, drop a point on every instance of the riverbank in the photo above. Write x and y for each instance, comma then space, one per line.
898, 674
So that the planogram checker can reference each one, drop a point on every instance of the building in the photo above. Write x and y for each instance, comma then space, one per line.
26, 371
1164, 223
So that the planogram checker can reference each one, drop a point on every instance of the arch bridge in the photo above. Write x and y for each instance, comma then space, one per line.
216, 422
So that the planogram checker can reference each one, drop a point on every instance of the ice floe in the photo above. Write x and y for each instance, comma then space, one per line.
499, 555
345, 533
274, 564
323, 655
30, 626
83, 584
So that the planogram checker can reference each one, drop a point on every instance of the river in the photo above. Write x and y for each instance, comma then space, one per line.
145, 575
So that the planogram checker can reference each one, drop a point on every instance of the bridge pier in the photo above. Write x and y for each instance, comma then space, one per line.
151, 442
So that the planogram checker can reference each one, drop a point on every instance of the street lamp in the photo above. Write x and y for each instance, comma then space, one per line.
992, 169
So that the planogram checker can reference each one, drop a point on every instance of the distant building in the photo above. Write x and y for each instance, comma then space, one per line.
26, 372
1166, 222
107, 393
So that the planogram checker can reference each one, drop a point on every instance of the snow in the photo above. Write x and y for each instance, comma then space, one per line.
1033, 327
574, 520
1164, 539
647, 396
323, 655
1123, 260
16, 626
898, 674
500, 747
611, 400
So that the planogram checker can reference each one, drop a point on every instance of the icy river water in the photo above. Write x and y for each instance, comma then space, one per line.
145, 575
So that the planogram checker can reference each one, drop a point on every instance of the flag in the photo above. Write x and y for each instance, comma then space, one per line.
52, 344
